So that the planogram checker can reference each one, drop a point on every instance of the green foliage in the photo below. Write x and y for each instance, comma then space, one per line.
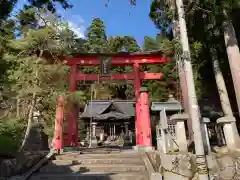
36, 71
96, 37
97, 42
50, 5
159, 90
161, 14
81, 130
11, 132
6, 8
201, 24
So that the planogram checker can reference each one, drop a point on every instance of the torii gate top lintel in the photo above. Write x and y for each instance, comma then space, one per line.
118, 59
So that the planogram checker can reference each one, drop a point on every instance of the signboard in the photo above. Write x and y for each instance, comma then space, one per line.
105, 66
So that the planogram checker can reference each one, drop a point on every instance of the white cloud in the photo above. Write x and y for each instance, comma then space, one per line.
77, 28
75, 22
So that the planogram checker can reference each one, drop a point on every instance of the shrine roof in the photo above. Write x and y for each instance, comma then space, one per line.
113, 109
127, 54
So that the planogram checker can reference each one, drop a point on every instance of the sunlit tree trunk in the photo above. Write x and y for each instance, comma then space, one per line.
29, 125
233, 54
222, 90
182, 74
31, 110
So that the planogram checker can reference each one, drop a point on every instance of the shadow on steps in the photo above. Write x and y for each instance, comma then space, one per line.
53, 169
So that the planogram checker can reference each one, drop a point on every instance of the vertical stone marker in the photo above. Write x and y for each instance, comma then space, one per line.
164, 127
94, 138
229, 133
206, 142
180, 131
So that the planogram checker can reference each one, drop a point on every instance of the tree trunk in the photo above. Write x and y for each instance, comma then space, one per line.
29, 125
182, 79
233, 54
181, 73
222, 90
30, 113
193, 108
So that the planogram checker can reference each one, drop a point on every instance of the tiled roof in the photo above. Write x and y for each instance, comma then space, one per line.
102, 109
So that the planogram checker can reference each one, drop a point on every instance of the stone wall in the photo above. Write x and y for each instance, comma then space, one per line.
221, 166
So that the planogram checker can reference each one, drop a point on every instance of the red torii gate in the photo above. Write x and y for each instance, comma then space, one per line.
117, 59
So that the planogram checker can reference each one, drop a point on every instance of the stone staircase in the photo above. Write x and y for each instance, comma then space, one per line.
125, 165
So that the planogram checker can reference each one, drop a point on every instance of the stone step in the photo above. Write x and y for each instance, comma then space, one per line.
103, 151
91, 176
99, 156
67, 162
52, 168
107, 151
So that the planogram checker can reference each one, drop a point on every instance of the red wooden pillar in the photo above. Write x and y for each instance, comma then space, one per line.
71, 117
57, 142
145, 117
137, 84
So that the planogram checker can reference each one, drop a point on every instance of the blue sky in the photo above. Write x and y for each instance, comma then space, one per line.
120, 18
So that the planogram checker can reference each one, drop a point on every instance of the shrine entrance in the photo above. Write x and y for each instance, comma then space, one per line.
105, 61
111, 121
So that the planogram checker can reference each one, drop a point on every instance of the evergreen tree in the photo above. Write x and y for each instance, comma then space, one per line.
50, 5
37, 78
96, 37
160, 90
97, 42
6, 8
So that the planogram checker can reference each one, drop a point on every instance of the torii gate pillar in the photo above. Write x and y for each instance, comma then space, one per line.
71, 138
137, 84
144, 118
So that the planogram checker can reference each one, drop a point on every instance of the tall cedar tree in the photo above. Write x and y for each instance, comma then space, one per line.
97, 42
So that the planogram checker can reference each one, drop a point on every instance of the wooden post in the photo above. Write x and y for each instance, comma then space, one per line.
137, 84
145, 117
71, 115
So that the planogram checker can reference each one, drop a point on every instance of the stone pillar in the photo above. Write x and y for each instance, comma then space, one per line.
164, 144
94, 138
87, 134
101, 138
110, 131
163, 128
180, 131
206, 142
219, 137
126, 127
94, 129
131, 136
228, 130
